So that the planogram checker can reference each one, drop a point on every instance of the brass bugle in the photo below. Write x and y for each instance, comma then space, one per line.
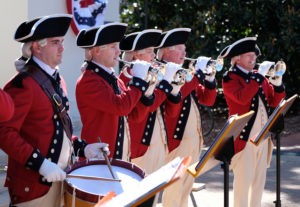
153, 72
212, 65
277, 70
181, 76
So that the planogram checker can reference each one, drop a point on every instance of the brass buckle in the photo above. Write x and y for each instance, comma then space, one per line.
57, 99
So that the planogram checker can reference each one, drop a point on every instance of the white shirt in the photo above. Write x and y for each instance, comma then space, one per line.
108, 70
47, 68
243, 70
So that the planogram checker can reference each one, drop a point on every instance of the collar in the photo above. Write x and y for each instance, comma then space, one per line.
49, 70
243, 70
110, 71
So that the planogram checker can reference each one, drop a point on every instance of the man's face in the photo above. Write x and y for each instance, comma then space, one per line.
247, 60
146, 54
175, 54
107, 55
52, 52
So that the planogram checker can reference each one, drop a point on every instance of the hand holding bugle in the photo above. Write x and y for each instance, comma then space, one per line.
181, 76
212, 66
153, 72
274, 70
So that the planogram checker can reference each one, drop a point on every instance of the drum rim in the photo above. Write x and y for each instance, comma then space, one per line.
94, 198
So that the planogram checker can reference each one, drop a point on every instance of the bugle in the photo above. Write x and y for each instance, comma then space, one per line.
153, 72
181, 76
277, 69
212, 65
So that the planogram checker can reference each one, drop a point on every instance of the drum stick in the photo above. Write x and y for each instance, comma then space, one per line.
91, 178
107, 161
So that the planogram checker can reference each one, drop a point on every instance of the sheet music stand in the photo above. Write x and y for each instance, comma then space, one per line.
275, 124
222, 150
168, 174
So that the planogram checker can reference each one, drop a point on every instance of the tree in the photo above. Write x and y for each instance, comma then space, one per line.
216, 24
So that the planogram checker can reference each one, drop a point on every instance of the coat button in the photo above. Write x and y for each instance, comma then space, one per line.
26, 189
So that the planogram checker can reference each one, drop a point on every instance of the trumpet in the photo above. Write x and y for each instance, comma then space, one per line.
211, 67
153, 72
277, 70
181, 76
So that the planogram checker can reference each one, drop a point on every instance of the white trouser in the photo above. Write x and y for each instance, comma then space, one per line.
154, 158
249, 168
177, 194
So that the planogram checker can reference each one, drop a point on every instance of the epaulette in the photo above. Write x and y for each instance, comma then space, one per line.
226, 77
18, 79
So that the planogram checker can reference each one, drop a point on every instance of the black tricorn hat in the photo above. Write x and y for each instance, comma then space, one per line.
173, 37
141, 40
55, 25
247, 44
102, 35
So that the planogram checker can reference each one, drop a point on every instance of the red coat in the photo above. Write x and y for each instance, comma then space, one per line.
205, 93
26, 138
7, 106
100, 108
239, 91
137, 125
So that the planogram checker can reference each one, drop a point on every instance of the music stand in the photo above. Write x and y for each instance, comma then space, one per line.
145, 191
222, 149
275, 124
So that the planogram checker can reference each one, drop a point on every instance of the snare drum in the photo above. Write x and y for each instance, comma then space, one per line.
84, 192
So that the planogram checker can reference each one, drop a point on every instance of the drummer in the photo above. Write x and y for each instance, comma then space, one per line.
103, 99
148, 134
36, 139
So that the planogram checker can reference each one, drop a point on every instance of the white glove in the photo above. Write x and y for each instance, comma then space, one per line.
140, 69
51, 171
201, 63
176, 89
94, 150
264, 67
276, 81
171, 69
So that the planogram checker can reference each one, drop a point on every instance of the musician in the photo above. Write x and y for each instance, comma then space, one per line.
246, 89
38, 138
183, 121
103, 99
7, 106
148, 134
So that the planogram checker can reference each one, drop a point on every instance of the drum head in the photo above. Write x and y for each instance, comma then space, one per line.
91, 190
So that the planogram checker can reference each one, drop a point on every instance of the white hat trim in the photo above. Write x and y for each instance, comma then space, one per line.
98, 32
141, 33
170, 32
237, 42
40, 21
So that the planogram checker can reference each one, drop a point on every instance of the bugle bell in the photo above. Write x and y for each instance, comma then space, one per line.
277, 69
